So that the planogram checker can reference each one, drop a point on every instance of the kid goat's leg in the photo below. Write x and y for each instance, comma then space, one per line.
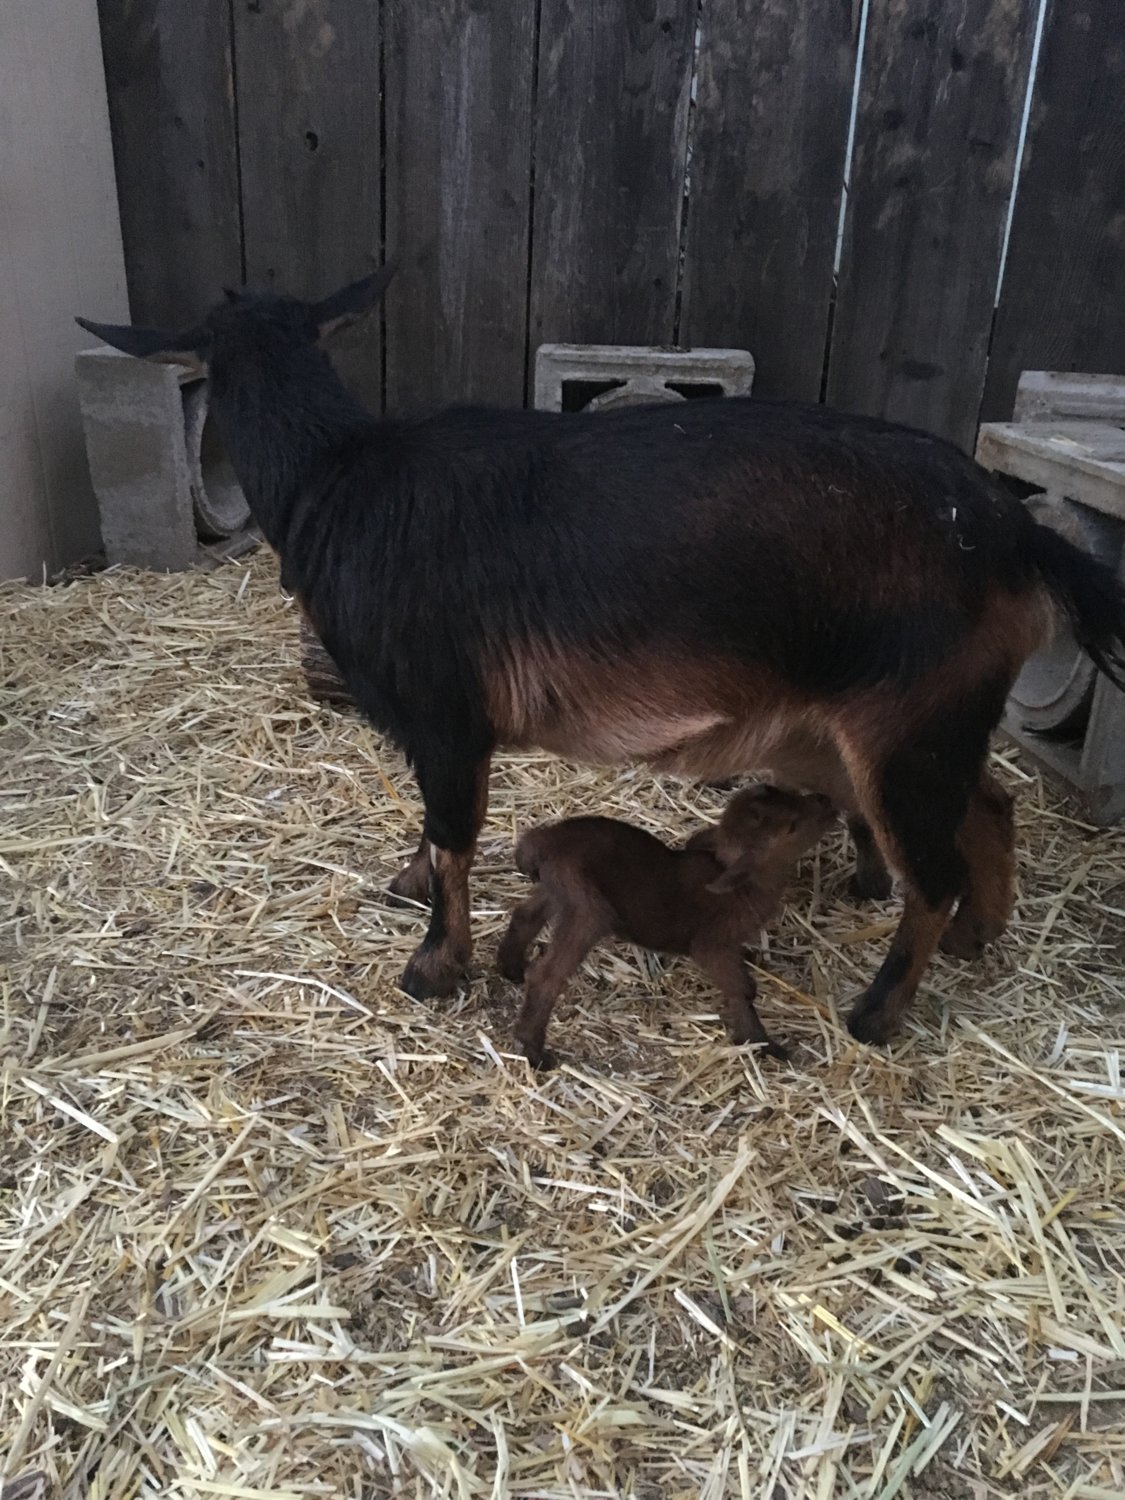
455, 792
526, 924
724, 967
576, 929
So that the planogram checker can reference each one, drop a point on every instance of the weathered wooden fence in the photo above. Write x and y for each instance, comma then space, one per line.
647, 171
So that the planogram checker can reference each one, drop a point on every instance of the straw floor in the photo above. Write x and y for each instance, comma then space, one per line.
270, 1228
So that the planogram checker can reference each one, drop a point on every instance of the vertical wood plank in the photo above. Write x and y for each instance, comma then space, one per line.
60, 254
941, 94
308, 123
774, 87
1062, 305
458, 98
611, 141
171, 105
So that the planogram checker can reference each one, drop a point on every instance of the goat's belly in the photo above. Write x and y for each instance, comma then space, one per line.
728, 749
698, 745
610, 739
704, 720
709, 748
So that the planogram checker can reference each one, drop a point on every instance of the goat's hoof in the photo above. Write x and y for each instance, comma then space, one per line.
539, 1059
399, 901
870, 1023
870, 885
513, 966
769, 1047
431, 975
967, 938
962, 942
408, 889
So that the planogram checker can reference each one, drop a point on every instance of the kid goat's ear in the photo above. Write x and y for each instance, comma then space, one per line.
734, 877
150, 343
342, 308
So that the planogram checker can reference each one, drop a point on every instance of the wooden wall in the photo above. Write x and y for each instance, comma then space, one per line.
652, 171
60, 254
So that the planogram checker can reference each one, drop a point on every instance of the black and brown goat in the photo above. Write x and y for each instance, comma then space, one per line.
598, 878
713, 587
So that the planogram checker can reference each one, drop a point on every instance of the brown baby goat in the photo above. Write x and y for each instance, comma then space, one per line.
600, 878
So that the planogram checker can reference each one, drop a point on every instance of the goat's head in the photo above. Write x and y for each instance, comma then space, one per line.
765, 829
247, 320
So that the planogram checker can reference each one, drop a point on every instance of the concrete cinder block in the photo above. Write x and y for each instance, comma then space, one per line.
161, 479
639, 374
1065, 446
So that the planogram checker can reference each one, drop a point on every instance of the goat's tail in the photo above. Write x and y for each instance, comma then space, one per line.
1089, 595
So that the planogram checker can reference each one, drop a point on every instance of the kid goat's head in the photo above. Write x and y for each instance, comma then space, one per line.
766, 830
246, 321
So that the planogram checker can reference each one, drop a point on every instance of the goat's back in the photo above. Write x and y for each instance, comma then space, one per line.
649, 894
588, 845
834, 551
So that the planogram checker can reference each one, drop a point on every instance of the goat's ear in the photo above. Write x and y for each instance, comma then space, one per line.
351, 302
733, 878
149, 343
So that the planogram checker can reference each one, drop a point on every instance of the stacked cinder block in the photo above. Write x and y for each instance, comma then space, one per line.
1065, 449
599, 376
165, 489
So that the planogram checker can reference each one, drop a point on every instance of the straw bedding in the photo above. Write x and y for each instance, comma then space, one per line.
270, 1228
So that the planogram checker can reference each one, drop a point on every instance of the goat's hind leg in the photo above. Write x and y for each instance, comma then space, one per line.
527, 922
988, 842
871, 880
915, 796
414, 882
576, 930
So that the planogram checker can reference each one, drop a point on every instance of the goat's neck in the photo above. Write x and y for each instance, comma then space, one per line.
763, 892
282, 423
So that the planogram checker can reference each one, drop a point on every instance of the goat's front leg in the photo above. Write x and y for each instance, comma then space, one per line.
724, 967
456, 798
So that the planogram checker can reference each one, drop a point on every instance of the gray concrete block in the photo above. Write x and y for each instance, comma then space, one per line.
640, 375
1078, 733
161, 479
1047, 395
1064, 714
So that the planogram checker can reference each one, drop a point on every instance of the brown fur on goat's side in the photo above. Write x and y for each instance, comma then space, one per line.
599, 878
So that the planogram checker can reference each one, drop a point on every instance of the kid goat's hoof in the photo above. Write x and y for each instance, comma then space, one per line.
769, 1047
431, 976
870, 1023
540, 1059
512, 966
